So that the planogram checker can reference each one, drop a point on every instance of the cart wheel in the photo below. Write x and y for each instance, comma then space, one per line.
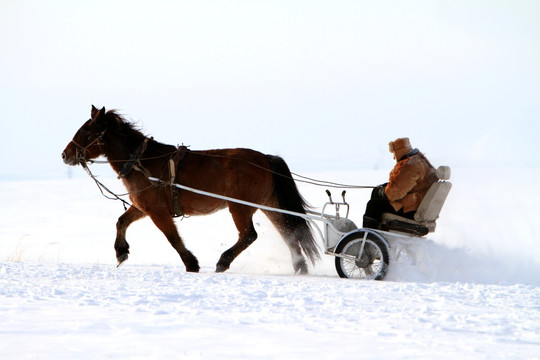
373, 263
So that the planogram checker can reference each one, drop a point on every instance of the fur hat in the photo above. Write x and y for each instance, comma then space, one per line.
400, 147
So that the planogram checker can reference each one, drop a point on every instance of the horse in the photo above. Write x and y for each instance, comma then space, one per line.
238, 173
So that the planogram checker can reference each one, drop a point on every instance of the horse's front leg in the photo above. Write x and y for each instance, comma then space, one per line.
120, 245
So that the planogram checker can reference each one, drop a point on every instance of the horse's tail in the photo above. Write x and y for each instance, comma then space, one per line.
289, 198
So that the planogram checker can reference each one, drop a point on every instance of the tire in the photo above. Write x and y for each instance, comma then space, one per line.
373, 263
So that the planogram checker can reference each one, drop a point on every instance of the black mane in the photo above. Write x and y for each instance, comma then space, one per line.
123, 125
133, 135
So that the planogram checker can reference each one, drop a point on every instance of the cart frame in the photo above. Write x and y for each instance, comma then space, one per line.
361, 253
333, 224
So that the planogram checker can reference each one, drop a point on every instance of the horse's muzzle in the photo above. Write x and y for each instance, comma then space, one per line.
69, 160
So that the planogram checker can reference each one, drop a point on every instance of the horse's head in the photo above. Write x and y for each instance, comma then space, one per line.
87, 143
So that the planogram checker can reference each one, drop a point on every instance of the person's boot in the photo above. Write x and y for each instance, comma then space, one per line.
370, 223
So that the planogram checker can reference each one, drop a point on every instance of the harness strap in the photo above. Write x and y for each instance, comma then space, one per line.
134, 159
138, 166
180, 156
172, 170
175, 164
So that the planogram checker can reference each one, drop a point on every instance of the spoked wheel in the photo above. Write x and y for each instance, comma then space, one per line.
367, 262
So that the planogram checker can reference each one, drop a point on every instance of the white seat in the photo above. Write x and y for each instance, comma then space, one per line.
443, 172
431, 205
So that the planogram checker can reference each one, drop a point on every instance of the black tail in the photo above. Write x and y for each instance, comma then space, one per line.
290, 199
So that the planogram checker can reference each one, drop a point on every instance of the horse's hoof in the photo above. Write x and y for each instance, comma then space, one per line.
121, 259
194, 269
221, 268
301, 268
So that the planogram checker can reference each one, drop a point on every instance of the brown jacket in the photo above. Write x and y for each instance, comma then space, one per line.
409, 182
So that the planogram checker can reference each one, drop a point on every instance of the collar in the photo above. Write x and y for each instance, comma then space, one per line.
128, 165
410, 153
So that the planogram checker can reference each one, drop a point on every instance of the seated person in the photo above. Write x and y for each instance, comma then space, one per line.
409, 182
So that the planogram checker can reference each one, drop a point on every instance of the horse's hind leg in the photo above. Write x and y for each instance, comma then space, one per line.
242, 216
165, 223
291, 239
120, 245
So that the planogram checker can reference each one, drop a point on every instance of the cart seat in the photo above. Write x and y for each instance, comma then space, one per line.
428, 211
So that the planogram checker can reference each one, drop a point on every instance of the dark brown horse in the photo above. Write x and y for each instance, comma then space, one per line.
237, 173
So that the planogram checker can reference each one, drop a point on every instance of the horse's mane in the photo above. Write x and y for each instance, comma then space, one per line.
132, 133
124, 126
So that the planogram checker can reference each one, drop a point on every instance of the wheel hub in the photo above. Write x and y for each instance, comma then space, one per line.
363, 261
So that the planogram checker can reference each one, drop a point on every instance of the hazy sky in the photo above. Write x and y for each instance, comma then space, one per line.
325, 84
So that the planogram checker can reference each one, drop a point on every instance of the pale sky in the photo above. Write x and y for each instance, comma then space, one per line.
325, 84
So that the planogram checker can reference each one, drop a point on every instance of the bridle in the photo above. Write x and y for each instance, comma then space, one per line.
80, 150
81, 159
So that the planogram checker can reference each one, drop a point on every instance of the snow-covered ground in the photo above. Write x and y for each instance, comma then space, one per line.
470, 290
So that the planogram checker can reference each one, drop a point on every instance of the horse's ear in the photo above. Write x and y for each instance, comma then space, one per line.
93, 112
97, 114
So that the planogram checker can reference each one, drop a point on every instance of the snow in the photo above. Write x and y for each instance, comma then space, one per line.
470, 290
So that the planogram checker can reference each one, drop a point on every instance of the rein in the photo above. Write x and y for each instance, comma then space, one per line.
300, 178
136, 158
102, 188
176, 160
134, 162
